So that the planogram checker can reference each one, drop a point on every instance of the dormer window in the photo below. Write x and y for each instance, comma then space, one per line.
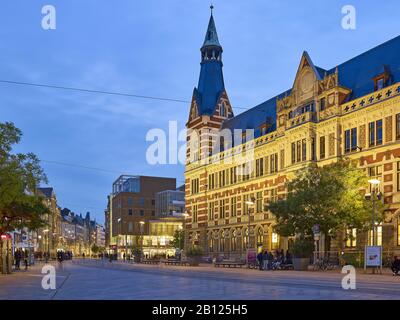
379, 83
263, 130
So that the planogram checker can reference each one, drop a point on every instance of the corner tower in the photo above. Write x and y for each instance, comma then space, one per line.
210, 104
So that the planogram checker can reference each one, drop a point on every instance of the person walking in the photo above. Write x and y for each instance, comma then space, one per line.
17, 258
396, 266
265, 260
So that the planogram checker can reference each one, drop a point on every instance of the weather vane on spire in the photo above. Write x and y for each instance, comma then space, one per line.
211, 7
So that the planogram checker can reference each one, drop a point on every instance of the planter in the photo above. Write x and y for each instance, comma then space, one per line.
194, 261
301, 264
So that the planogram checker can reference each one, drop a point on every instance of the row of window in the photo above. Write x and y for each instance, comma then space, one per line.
228, 207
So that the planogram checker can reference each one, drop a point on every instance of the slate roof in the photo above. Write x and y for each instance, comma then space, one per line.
211, 38
47, 192
356, 74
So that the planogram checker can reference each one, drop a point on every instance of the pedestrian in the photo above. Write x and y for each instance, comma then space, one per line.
396, 266
270, 260
260, 260
17, 258
265, 260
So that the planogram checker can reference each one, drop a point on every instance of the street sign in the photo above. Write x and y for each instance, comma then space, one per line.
373, 256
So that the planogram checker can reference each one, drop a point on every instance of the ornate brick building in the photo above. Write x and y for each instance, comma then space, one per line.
352, 110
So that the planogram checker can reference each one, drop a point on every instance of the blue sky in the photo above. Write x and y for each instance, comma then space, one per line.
152, 48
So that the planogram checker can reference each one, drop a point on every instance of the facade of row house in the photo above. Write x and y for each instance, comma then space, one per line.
351, 110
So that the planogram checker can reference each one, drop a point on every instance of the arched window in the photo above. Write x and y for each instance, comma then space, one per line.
260, 236
234, 241
222, 241
245, 236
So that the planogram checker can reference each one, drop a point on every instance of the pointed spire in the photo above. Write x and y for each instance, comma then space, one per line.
211, 38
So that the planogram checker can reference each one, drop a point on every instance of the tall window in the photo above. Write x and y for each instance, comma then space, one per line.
322, 147
375, 133
351, 238
222, 209
195, 186
233, 206
222, 241
293, 152
260, 236
194, 216
398, 231
259, 202
350, 140
259, 167
322, 104
303, 150
223, 110
274, 163
313, 149
234, 241
398, 176
211, 206
378, 236
398, 126
211, 181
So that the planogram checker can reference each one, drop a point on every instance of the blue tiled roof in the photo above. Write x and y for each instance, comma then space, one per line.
210, 87
356, 74
257, 116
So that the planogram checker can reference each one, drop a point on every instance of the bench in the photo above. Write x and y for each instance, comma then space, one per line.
229, 264
176, 263
150, 261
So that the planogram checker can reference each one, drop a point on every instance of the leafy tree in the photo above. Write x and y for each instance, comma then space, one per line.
20, 174
179, 239
330, 196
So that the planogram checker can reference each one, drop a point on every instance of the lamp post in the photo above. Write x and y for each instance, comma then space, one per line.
46, 232
374, 183
120, 228
141, 238
249, 203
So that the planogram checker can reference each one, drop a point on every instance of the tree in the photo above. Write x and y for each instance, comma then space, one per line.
95, 249
330, 196
179, 239
20, 174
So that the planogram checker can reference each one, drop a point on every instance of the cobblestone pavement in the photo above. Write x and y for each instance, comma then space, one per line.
88, 279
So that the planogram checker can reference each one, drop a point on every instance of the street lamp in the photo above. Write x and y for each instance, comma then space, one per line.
374, 183
46, 231
141, 238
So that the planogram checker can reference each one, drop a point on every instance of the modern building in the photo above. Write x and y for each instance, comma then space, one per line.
158, 242
351, 109
169, 202
132, 206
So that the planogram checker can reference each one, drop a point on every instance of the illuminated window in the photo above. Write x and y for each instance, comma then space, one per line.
375, 133
322, 147
211, 206
398, 231
260, 236
351, 238
259, 201
378, 236
233, 206
275, 238
234, 241
194, 216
